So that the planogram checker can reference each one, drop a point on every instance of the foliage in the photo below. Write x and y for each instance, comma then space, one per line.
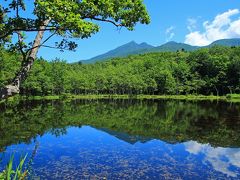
213, 71
216, 123
9, 64
233, 96
69, 19
65, 18
10, 174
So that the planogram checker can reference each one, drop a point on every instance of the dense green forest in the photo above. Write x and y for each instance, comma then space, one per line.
214, 70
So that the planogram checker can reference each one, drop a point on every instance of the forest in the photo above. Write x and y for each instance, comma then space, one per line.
207, 71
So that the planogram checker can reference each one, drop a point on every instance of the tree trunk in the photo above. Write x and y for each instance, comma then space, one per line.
14, 87
216, 90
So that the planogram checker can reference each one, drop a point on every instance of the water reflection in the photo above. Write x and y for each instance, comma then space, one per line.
224, 160
125, 139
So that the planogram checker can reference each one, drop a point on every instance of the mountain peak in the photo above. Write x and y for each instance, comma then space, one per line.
171, 42
131, 43
127, 49
144, 43
132, 47
226, 42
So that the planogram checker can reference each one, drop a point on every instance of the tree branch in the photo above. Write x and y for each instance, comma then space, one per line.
6, 35
51, 28
52, 47
106, 20
26, 30
20, 40
42, 42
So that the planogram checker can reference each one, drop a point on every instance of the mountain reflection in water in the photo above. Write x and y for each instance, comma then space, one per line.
124, 139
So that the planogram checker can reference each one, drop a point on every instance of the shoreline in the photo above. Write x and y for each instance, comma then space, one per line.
227, 98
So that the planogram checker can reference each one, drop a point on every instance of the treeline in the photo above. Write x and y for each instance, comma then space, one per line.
170, 121
206, 71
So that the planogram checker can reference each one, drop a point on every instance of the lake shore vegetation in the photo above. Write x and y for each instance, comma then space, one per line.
209, 72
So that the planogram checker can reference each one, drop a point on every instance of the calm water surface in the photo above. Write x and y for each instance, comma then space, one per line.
123, 139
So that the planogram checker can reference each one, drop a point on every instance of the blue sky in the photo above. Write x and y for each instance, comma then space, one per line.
171, 20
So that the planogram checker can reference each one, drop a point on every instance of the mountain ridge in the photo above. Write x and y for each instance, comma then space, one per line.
132, 48
121, 51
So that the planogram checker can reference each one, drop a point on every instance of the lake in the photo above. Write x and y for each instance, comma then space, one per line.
122, 139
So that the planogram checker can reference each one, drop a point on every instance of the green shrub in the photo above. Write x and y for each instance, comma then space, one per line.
233, 96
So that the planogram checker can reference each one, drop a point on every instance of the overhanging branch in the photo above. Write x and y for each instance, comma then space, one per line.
106, 20
42, 42
52, 47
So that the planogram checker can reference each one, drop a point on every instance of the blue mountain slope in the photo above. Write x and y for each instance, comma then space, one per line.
124, 50
132, 48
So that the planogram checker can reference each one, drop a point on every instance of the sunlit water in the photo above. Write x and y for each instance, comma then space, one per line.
123, 139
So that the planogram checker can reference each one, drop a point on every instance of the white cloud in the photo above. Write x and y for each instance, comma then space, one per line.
169, 33
192, 24
222, 27
194, 147
220, 158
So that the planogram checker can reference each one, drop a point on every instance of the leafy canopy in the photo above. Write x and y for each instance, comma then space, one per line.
68, 18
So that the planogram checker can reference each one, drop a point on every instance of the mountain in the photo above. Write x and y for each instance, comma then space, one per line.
173, 47
132, 48
226, 42
124, 50
131, 139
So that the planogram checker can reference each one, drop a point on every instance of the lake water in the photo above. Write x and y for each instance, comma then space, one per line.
123, 139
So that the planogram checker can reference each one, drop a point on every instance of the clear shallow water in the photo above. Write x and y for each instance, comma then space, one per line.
124, 139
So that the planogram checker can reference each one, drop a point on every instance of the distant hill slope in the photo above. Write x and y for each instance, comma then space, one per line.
174, 46
132, 48
226, 42
124, 50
